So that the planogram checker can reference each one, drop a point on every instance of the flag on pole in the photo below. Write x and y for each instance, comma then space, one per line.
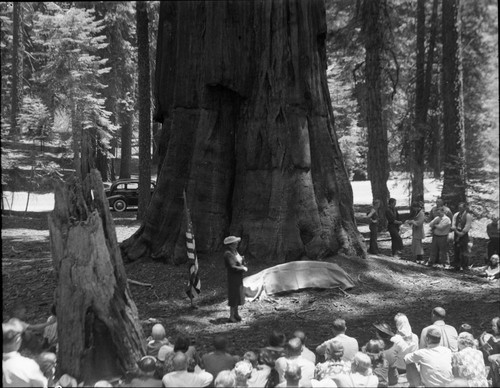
194, 283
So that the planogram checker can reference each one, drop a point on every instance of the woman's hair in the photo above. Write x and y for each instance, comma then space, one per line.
266, 358
334, 350
361, 364
374, 349
465, 327
243, 370
147, 364
225, 378
277, 339
251, 357
182, 344
466, 340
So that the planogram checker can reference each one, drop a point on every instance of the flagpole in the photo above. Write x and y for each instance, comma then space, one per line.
193, 282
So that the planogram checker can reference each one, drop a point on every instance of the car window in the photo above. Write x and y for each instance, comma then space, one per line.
121, 186
132, 186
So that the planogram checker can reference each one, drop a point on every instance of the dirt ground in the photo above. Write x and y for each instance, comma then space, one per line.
383, 287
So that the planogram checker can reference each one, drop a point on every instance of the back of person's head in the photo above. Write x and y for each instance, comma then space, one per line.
361, 363
433, 335
147, 364
293, 373
374, 349
466, 340
12, 331
103, 383
294, 347
301, 335
67, 381
277, 339
439, 313
334, 350
243, 370
220, 343
266, 357
164, 351
225, 379
495, 325
339, 325
403, 325
252, 358
158, 332
182, 344
180, 361
466, 328
47, 362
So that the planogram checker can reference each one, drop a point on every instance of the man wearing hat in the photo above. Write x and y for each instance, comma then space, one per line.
434, 362
18, 371
235, 269
449, 335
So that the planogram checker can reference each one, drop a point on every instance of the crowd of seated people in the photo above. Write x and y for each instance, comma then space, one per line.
393, 357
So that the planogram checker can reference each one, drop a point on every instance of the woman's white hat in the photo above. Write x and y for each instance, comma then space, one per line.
231, 239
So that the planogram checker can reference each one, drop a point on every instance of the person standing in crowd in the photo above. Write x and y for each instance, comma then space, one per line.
393, 224
374, 218
462, 222
494, 236
440, 203
440, 227
417, 228
448, 335
235, 269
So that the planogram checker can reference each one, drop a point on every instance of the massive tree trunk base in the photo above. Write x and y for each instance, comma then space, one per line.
98, 327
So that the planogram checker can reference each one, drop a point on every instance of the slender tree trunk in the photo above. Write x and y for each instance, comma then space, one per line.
144, 101
98, 328
248, 132
454, 180
17, 66
126, 145
76, 137
378, 158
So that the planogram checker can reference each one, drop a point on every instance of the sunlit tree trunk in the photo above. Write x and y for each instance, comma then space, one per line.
248, 133
453, 190
17, 66
144, 101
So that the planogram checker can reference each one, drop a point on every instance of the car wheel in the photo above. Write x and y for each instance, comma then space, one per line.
120, 205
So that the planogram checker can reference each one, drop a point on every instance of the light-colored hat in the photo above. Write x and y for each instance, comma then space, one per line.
164, 351
231, 239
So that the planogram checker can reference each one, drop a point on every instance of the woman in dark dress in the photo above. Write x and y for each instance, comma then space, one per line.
374, 216
235, 269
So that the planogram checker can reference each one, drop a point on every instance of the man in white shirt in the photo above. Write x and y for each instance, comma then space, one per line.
18, 371
350, 344
448, 334
293, 350
182, 378
306, 353
441, 227
434, 362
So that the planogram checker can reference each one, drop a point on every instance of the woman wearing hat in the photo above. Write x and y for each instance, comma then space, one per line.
235, 268
417, 224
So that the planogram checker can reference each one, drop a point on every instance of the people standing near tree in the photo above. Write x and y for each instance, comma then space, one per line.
374, 218
393, 224
417, 228
440, 227
462, 222
494, 236
235, 269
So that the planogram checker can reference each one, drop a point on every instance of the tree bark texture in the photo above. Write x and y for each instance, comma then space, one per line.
454, 188
126, 143
98, 328
17, 66
144, 101
248, 131
378, 158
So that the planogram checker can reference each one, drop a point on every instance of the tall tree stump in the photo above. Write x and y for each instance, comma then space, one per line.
98, 326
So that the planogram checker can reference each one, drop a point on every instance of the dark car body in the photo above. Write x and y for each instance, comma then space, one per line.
124, 193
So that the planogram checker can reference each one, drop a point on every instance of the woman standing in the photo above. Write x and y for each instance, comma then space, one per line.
417, 225
235, 268
393, 224
374, 216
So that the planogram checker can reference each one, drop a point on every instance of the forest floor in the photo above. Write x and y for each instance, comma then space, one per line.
383, 287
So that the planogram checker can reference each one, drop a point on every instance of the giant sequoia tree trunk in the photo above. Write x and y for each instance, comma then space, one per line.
453, 190
378, 157
248, 131
98, 327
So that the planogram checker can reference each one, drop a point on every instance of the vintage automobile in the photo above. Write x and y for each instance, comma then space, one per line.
124, 193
